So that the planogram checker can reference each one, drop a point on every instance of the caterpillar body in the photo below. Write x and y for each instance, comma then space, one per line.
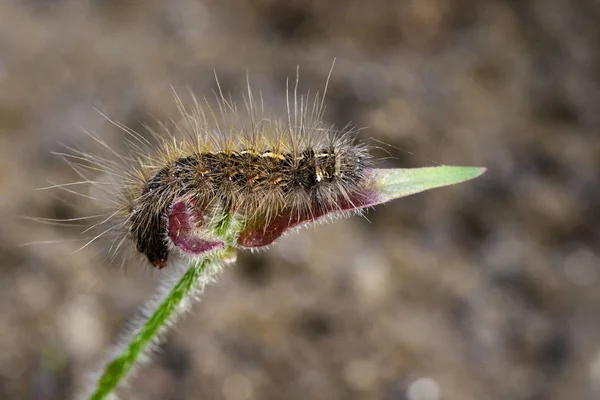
261, 168
243, 181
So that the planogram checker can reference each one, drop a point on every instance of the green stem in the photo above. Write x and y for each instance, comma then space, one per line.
169, 307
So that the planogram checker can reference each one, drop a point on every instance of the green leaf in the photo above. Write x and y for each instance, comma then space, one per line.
395, 183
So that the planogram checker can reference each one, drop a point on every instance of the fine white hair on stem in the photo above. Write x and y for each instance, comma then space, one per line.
135, 327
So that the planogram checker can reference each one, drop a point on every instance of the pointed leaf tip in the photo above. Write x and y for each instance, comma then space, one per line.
395, 183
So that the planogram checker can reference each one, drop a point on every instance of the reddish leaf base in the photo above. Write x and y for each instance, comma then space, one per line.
184, 221
259, 236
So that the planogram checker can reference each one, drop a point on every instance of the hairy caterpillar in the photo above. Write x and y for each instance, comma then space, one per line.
272, 173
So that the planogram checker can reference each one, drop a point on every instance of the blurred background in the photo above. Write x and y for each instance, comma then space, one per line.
485, 290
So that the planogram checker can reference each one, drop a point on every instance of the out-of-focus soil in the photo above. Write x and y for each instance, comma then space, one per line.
485, 290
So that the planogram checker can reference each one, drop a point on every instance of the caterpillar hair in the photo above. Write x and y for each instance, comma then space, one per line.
221, 160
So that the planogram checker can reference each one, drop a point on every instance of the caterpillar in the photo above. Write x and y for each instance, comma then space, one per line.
245, 181
274, 173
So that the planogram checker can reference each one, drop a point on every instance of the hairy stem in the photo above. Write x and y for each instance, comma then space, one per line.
172, 304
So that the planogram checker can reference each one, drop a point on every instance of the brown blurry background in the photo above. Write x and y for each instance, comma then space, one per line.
485, 290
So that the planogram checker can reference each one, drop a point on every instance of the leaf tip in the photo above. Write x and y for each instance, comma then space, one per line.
468, 173
393, 183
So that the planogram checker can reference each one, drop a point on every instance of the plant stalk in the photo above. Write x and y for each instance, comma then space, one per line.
173, 304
